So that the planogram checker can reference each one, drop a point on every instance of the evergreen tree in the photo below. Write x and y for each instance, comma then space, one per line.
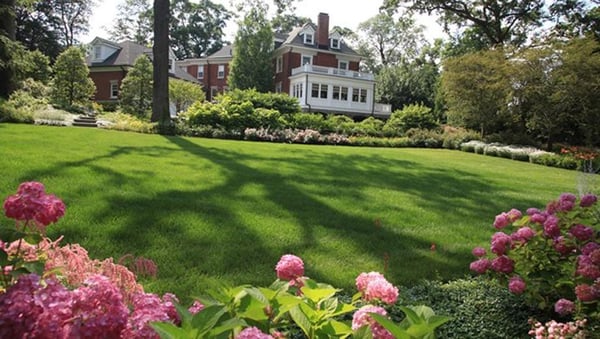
7, 36
72, 84
252, 65
136, 89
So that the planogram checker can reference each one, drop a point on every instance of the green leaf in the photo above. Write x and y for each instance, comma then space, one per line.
186, 316
251, 308
286, 303
389, 325
228, 326
343, 309
208, 317
336, 329
257, 294
300, 319
167, 330
363, 333
318, 294
411, 316
3, 258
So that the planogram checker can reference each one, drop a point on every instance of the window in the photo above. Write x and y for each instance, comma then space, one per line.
319, 91
308, 38
340, 93
343, 65
221, 72
214, 91
278, 87
97, 52
306, 60
171, 65
200, 72
359, 95
297, 90
335, 43
114, 89
279, 64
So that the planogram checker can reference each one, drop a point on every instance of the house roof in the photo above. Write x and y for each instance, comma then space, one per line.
294, 38
125, 55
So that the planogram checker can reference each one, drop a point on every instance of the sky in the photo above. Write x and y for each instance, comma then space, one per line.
343, 13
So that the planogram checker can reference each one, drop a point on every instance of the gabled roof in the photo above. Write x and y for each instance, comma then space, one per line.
127, 52
225, 52
294, 38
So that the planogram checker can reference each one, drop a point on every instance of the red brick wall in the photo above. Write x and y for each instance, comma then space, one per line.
102, 81
353, 66
325, 60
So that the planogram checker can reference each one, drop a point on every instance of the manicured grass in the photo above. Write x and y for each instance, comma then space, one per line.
210, 211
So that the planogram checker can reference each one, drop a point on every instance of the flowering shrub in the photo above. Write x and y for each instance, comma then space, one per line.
53, 291
552, 256
554, 329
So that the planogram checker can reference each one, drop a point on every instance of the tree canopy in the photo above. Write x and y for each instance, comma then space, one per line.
72, 84
136, 88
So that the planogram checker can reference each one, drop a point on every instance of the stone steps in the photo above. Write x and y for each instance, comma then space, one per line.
85, 121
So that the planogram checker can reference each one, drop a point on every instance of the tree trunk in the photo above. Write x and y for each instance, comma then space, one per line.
160, 62
7, 29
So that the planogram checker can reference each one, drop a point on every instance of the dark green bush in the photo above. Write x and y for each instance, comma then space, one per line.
453, 137
314, 121
379, 142
10, 113
276, 101
338, 123
369, 127
555, 160
109, 106
424, 138
479, 308
410, 117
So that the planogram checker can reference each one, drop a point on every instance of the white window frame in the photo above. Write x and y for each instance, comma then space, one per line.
114, 88
340, 62
97, 52
320, 89
309, 38
200, 75
335, 43
279, 64
341, 93
221, 72
297, 90
359, 95
309, 57
278, 87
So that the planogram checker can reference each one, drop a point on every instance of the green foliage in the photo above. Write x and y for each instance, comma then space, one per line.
312, 121
252, 65
183, 94
341, 124
554, 160
72, 85
425, 138
127, 122
10, 113
276, 101
454, 137
370, 126
136, 89
479, 308
411, 116
380, 142
419, 322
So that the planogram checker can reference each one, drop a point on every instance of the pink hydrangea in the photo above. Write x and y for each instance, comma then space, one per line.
516, 285
514, 215
196, 307
539, 218
501, 242
564, 307
503, 264
32, 204
590, 247
525, 233
502, 220
252, 333
480, 266
588, 200
586, 292
551, 228
381, 289
478, 251
363, 279
586, 267
562, 246
147, 308
531, 211
582, 232
362, 318
289, 267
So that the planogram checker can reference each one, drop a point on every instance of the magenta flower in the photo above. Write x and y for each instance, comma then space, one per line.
501, 242
567, 197
501, 221
525, 234
364, 279
551, 228
289, 267
362, 318
561, 246
478, 251
582, 232
252, 333
516, 285
531, 211
586, 292
503, 264
381, 289
480, 266
32, 204
196, 307
590, 247
564, 307
539, 218
514, 215
586, 267
588, 200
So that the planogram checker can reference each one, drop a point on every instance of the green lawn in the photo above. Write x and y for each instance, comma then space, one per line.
209, 211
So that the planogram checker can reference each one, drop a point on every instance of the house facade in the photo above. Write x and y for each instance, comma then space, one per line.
109, 63
312, 64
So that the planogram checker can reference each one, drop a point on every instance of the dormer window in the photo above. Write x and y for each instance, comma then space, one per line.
335, 43
97, 52
309, 38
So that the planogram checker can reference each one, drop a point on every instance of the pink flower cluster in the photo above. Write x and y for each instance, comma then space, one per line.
47, 309
362, 318
289, 267
554, 329
252, 333
374, 287
31, 203
554, 225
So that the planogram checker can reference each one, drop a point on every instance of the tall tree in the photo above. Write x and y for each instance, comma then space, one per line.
72, 84
284, 23
252, 65
184, 93
133, 22
136, 89
477, 88
7, 36
37, 27
73, 16
575, 18
501, 21
160, 62
196, 29
390, 40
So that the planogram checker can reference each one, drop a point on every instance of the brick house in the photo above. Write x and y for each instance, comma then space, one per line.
312, 64
109, 63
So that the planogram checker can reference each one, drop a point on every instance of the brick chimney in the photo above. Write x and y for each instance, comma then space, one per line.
323, 31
